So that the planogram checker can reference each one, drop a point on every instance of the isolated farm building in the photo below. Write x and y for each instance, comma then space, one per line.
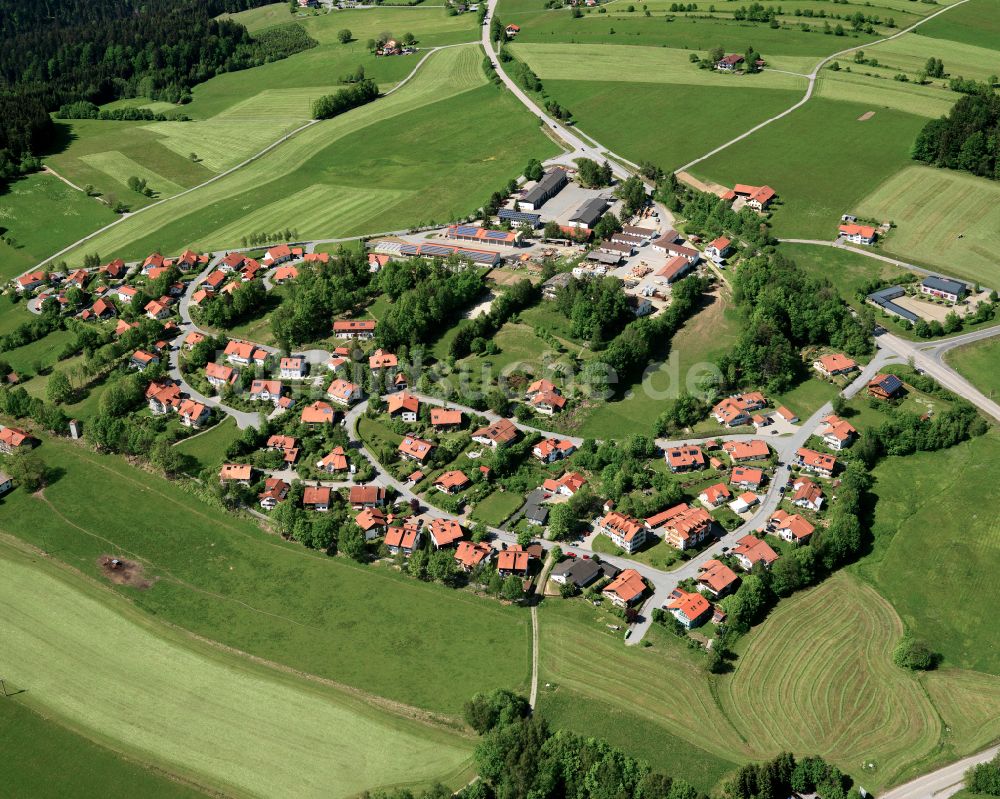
750, 550
816, 462
266, 391
451, 482
835, 364
567, 485
403, 406
445, 532
589, 214
716, 577
354, 328
241, 473
713, 496
434, 250
790, 527
275, 491
372, 523
343, 392
497, 434
403, 540
317, 498
885, 386
552, 182
625, 532
837, 434
293, 368
857, 234
371, 496
220, 375
807, 494
512, 30
576, 571
415, 449
445, 418
192, 413
689, 608
683, 527
684, 458
729, 63
753, 450
944, 287
481, 235
334, 461
718, 249
757, 197
13, 439
743, 477
552, 449
318, 412
626, 589
470, 554
141, 359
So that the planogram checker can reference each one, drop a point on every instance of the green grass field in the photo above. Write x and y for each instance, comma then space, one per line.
929, 571
497, 507
42, 214
222, 577
209, 448
976, 22
885, 93
348, 154
909, 53
944, 218
45, 760
846, 270
85, 656
821, 160
978, 364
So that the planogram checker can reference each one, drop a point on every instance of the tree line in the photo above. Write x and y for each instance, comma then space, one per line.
967, 139
330, 105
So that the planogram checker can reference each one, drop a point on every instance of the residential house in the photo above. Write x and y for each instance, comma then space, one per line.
416, 449
245, 352
266, 391
6, 483
683, 527
625, 532
445, 532
213, 282
100, 310
689, 608
316, 257
280, 254
293, 368
141, 359
343, 392
497, 434
158, 309
220, 375
445, 419
575, 571
380, 361
153, 261
513, 560
275, 491
193, 339
836, 433
283, 274
403, 406
741, 451
816, 462
404, 540
193, 414
372, 523
567, 485
548, 402
14, 439
735, 410
787, 415
747, 478
684, 458
551, 450
163, 398
232, 262
858, 234
470, 554
31, 281
744, 502
334, 461
241, 473
790, 527
835, 364
451, 482
713, 496
114, 270
944, 288
317, 498
286, 445
750, 551
626, 589
354, 328
729, 63
126, 294
716, 578
885, 386
367, 496
807, 494
318, 412
718, 249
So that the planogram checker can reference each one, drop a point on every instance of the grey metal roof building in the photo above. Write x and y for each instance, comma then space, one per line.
588, 214
549, 186
946, 285
884, 299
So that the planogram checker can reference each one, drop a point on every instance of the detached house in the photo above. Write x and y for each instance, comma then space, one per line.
318, 412
403, 539
343, 392
193, 414
747, 478
807, 494
372, 523
816, 462
735, 410
415, 449
836, 433
729, 63
750, 551
885, 386
551, 450
317, 498
141, 359
713, 496
241, 473
469, 554
293, 368
498, 434
403, 406
445, 532
163, 398
220, 375
717, 578
689, 608
266, 391
31, 281
790, 527
835, 364
626, 589
513, 560
354, 328
275, 491
684, 458
245, 352
719, 249
567, 485
683, 527
451, 482
369, 496
742, 451
335, 461
445, 419
858, 234
13, 439
380, 361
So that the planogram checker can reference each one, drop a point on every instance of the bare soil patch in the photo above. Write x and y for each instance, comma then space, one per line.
124, 572
866, 116
701, 185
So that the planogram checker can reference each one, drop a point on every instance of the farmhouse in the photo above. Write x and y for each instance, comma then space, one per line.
220, 375
689, 608
589, 214
366, 496
275, 491
372, 523
684, 458
236, 473
807, 494
713, 496
885, 386
626, 533
415, 449
750, 551
403, 540
31, 281
318, 412
817, 462
480, 235
835, 364
944, 288
552, 449
549, 186
718, 249
343, 392
445, 419
512, 30
626, 589
729, 63
836, 433
858, 234
293, 368
498, 434
757, 197
684, 527
451, 482
317, 498
445, 532
790, 527
567, 485
13, 439
470, 554
745, 478
403, 406
334, 461
354, 328
741, 451
716, 577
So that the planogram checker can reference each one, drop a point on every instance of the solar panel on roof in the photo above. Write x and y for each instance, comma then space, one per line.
467, 230
496, 234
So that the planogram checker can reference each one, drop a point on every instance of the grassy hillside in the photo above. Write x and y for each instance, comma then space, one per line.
86, 657
223, 578
976, 22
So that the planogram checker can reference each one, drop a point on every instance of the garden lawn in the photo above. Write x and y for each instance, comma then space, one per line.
821, 160
925, 567
222, 577
42, 215
943, 218
807, 397
48, 761
497, 508
209, 448
343, 159
85, 656
978, 364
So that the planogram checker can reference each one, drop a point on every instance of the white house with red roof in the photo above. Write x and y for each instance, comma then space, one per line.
552, 449
835, 364
836, 433
857, 234
684, 458
354, 328
807, 494
689, 608
750, 550
816, 462
193, 414
343, 392
293, 368
220, 375
718, 249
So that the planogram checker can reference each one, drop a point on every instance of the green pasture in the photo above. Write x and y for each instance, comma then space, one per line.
222, 577
978, 364
883, 93
943, 218
976, 22
85, 656
909, 53
822, 159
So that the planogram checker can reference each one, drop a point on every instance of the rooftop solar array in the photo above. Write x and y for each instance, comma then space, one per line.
518, 216
444, 251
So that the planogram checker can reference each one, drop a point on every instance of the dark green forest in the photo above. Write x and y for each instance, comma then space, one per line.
968, 138
63, 51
